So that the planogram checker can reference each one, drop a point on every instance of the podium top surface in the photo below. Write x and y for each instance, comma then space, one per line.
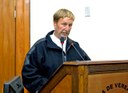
96, 62
100, 66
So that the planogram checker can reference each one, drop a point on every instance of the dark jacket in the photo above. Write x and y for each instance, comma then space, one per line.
44, 58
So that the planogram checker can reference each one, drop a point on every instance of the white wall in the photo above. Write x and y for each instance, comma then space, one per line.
103, 35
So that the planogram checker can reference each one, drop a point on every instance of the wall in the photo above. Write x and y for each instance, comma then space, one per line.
100, 26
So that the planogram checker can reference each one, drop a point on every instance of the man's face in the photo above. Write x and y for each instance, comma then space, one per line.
63, 27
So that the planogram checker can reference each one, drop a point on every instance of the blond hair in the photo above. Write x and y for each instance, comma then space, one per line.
62, 13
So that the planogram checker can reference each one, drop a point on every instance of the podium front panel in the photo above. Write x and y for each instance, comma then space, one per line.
65, 86
108, 83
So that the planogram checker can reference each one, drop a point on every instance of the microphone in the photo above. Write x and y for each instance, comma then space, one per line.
72, 44
62, 39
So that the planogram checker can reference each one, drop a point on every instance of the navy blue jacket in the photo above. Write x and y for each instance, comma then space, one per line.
44, 58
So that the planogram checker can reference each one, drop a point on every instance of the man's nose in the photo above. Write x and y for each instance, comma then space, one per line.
67, 27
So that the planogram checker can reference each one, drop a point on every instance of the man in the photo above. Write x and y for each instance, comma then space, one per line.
47, 54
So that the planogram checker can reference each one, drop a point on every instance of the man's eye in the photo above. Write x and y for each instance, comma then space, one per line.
70, 24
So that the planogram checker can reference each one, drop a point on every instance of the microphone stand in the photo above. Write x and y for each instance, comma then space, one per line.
77, 51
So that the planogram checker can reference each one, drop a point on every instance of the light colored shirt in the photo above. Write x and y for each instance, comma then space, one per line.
57, 42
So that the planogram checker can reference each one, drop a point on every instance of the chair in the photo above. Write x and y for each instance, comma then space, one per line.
14, 86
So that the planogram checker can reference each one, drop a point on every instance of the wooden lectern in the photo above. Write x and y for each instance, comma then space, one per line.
90, 77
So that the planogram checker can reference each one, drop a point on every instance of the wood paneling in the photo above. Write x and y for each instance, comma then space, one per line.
14, 38
22, 32
7, 41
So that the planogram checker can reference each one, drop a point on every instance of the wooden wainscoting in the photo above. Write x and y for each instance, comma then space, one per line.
14, 37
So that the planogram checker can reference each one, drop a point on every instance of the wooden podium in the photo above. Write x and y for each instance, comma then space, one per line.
90, 77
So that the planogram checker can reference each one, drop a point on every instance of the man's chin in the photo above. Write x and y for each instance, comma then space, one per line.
63, 35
